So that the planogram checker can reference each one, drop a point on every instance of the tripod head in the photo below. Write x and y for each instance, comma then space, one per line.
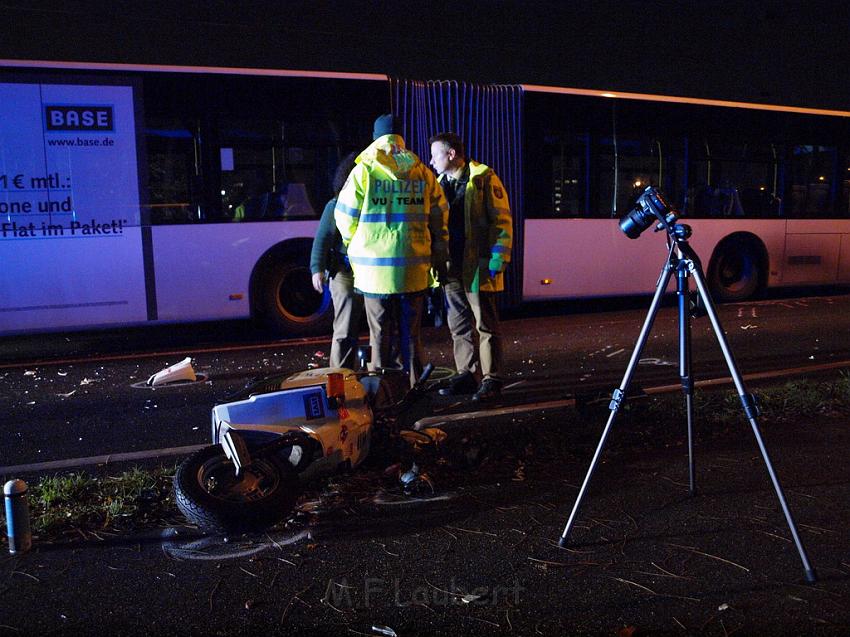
681, 231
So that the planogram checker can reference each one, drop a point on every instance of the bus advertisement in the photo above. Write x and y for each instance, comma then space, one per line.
70, 231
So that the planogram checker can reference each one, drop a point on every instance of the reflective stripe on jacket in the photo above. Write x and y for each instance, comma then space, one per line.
488, 230
393, 217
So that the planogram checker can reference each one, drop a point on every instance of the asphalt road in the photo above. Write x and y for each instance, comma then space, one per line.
73, 395
480, 556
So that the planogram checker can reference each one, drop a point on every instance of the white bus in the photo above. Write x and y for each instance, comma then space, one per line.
766, 190
133, 195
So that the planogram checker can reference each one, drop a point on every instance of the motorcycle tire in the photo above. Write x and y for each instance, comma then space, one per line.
211, 496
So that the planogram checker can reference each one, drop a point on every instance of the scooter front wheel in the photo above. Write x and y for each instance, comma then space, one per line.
210, 494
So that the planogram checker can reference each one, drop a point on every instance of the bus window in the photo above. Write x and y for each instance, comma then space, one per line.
812, 170
249, 161
261, 179
843, 210
569, 177
730, 179
171, 167
627, 166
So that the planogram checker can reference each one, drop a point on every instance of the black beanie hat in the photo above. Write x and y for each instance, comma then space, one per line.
384, 125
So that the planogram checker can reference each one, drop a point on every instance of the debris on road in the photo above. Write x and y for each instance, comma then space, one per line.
179, 372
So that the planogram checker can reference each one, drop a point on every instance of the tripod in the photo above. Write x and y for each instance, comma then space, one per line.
682, 260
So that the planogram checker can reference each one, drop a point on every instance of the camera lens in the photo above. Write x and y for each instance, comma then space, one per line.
648, 208
635, 221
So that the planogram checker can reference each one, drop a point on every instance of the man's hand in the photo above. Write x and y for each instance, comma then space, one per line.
441, 272
319, 282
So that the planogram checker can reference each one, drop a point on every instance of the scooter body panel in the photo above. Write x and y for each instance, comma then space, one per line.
301, 404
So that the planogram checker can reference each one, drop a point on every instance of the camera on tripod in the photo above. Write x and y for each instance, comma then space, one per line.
649, 208
684, 263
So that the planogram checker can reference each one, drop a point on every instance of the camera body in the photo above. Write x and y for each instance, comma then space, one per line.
649, 208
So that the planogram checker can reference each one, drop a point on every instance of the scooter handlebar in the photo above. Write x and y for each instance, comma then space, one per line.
426, 372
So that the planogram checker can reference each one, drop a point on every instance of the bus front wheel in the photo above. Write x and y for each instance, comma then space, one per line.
289, 304
736, 272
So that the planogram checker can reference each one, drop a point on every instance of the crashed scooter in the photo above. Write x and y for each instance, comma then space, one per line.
280, 432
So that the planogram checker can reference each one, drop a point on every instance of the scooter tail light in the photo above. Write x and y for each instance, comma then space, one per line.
335, 388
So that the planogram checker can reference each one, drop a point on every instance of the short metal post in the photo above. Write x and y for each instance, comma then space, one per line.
17, 516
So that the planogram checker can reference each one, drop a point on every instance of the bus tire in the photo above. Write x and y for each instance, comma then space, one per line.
287, 302
211, 496
737, 271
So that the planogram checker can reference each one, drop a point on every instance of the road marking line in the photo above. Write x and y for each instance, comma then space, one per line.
431, 421
105, 459
436, 421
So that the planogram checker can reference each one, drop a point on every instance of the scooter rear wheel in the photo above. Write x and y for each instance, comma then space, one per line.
210, 494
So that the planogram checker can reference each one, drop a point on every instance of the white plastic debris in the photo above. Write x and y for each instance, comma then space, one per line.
178, 372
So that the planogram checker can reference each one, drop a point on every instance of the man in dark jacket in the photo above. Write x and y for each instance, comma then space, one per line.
480, 240
328, 259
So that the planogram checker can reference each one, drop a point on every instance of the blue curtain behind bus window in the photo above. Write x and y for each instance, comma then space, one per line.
488, 118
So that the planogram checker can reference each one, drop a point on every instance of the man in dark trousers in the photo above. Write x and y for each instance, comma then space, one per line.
480, 239
329, 266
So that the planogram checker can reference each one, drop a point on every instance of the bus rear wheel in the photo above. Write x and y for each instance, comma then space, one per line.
736, 272
289, 304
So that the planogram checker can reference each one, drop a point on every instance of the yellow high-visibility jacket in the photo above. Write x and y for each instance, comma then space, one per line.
392, 215
488, 235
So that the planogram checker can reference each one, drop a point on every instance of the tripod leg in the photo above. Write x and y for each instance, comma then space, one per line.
620, 393
685, 363
751, 412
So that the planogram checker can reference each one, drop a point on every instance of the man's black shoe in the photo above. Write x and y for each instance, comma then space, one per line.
490, 389
463, 383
